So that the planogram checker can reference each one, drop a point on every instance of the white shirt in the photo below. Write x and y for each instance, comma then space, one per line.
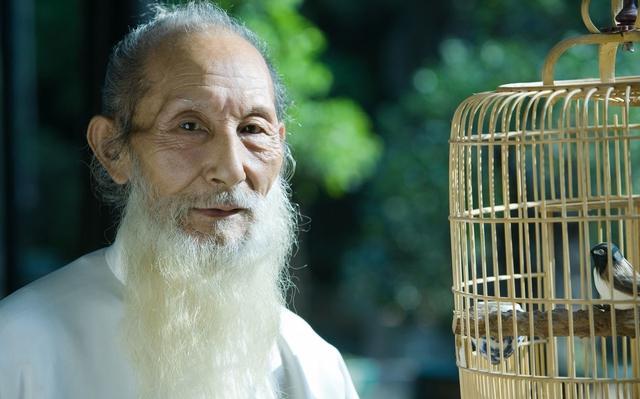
59, 339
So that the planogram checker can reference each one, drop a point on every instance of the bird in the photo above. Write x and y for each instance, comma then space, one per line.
623, 273
491, 347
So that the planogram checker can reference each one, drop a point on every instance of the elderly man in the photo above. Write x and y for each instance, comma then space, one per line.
188, 301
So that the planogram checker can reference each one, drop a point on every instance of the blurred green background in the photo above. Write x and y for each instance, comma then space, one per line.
374, 85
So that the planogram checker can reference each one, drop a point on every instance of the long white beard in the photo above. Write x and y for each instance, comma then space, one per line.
202, 315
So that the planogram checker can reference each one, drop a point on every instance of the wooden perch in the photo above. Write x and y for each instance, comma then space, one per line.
602, 323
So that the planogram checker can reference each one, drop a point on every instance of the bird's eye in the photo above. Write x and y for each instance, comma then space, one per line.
191, 126
251, 128
599, 251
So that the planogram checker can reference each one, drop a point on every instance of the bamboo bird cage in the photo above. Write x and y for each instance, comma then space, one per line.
539, 173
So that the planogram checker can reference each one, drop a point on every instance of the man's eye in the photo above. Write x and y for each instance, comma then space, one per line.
191, 126
251, 129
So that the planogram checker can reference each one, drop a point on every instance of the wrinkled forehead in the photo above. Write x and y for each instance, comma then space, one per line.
211, 56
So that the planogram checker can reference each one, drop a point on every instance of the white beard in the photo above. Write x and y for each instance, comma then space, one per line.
202, 316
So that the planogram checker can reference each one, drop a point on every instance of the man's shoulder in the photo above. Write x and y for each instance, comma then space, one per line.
314, 366
300, 336
299, 333
56, 293
59, 327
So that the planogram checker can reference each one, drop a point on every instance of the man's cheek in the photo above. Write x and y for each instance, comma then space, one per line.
171, 175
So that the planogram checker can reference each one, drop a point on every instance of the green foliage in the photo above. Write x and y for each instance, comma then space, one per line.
336, 143
412, 182
405, 243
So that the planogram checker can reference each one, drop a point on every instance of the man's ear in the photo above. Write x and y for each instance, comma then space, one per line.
282, 131
101, 134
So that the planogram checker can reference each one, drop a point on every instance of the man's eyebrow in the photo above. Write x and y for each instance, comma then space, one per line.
262, 112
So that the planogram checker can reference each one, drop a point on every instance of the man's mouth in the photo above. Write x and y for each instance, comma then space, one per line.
219, 212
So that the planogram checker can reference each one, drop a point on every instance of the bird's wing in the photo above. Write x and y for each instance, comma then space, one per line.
626, 278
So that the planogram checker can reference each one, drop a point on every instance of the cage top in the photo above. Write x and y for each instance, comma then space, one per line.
620, 84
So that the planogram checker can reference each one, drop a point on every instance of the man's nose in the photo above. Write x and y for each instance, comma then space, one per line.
225, 160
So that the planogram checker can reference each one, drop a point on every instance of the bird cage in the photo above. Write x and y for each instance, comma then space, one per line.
539, 174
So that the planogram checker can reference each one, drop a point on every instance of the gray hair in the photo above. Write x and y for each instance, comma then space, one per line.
125, 84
